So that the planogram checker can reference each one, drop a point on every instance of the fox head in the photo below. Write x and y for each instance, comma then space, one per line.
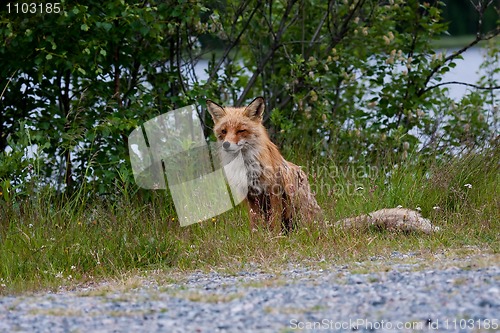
238, 128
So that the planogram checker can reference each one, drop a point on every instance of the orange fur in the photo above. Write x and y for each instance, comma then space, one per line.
278, 190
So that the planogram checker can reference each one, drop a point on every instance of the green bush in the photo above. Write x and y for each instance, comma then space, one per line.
355, 79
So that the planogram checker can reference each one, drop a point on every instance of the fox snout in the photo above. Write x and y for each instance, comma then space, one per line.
229, 146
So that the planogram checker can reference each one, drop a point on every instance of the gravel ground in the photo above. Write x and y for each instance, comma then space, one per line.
401, 293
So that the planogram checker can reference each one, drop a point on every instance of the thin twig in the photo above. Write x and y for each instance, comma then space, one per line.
178, 60
8, 82
274, 47
479, 37
234, 43
318, 29
462, 84
345, 25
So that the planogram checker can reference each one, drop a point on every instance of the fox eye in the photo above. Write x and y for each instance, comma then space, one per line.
223, 131
241, 131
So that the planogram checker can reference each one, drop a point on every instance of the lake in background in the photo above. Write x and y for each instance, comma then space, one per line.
466, 71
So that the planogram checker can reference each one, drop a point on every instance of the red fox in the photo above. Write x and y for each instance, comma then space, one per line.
278, 190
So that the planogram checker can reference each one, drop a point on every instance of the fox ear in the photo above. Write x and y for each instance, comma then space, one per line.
255, 110
215, 110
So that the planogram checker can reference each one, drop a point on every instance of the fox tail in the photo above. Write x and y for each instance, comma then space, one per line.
396, 219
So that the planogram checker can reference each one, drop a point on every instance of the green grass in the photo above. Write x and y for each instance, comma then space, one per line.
47, 242
457, 42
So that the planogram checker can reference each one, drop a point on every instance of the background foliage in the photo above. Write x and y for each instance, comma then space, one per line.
354, 79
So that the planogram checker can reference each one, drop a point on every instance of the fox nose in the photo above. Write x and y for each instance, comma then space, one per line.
226, 145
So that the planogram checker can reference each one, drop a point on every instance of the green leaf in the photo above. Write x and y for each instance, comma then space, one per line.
84, 27
107, 26
48, 56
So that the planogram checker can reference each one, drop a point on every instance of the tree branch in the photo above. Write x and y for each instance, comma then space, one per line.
462, 84
411, 52
178, 59
345, 25
117, 73
266, 58
318, 29
236, 41
8, 82
481, 8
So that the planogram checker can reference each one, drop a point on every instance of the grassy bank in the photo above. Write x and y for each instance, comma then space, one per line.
46, 242
457, 42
